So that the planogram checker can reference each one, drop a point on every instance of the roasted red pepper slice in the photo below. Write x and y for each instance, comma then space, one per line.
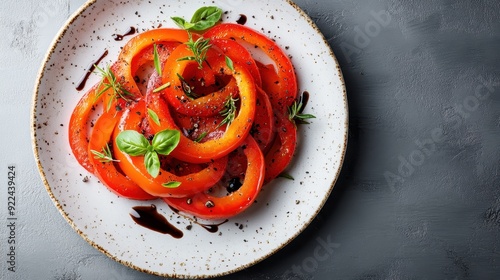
287, 79
282, 151
77, 132
192, 151
263, 130
135, 168
208, 105
238, 53
106, 170
127, 66
207, 206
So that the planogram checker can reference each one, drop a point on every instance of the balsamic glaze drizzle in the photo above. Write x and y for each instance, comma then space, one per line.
90, 69
148, 217
119, 37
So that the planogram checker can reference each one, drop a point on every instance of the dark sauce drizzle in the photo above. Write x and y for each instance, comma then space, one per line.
151, 219
90, 69
119, 37
242, 20
210, 228
304, 99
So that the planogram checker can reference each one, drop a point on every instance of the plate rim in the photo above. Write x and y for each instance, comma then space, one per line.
50, 51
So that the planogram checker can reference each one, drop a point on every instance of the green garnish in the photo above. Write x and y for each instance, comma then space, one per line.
162, 87
229, 111
171, 185
134, 143
203, 19
229, 63
186, 88
109, 82
105, 155
295, 113
286, 176
152, 114
199, 48
201, 137
157, 60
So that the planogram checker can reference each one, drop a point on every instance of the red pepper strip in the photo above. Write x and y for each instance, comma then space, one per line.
191, 151
78, 136
136, 170
77, 129
287, 82
281, 153
206, 206
147, 55
106, 171
126, 66
78, 123
208, 105
263, 125
240, 54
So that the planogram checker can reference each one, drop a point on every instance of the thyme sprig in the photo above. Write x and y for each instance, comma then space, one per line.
295, 113
229, 111
104, 155
109, 81
199, 48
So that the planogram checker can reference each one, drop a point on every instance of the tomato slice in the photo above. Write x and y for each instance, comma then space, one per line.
206, 206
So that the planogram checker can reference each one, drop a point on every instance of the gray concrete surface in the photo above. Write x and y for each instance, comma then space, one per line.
418, 197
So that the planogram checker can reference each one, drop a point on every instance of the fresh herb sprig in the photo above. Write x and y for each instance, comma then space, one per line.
109, 81
104, 155
199, 48
134, 143
187, 88
229, 111
229, 63
156, 59
201, 137
203, 19
154, 117
295, 113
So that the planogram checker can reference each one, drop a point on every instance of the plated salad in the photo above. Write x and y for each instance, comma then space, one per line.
211, 122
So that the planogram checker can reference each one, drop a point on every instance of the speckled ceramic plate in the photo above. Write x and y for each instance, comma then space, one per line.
284, 208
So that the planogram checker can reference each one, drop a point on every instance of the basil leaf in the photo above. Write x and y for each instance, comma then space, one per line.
132, 143
171, 185
182, 23
164, 142
152, 162
205, 17
229, 63
152, 114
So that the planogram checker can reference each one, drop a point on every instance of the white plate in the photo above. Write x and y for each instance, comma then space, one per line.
284, 208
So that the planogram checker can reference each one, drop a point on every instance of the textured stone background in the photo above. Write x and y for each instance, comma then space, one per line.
418, 197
